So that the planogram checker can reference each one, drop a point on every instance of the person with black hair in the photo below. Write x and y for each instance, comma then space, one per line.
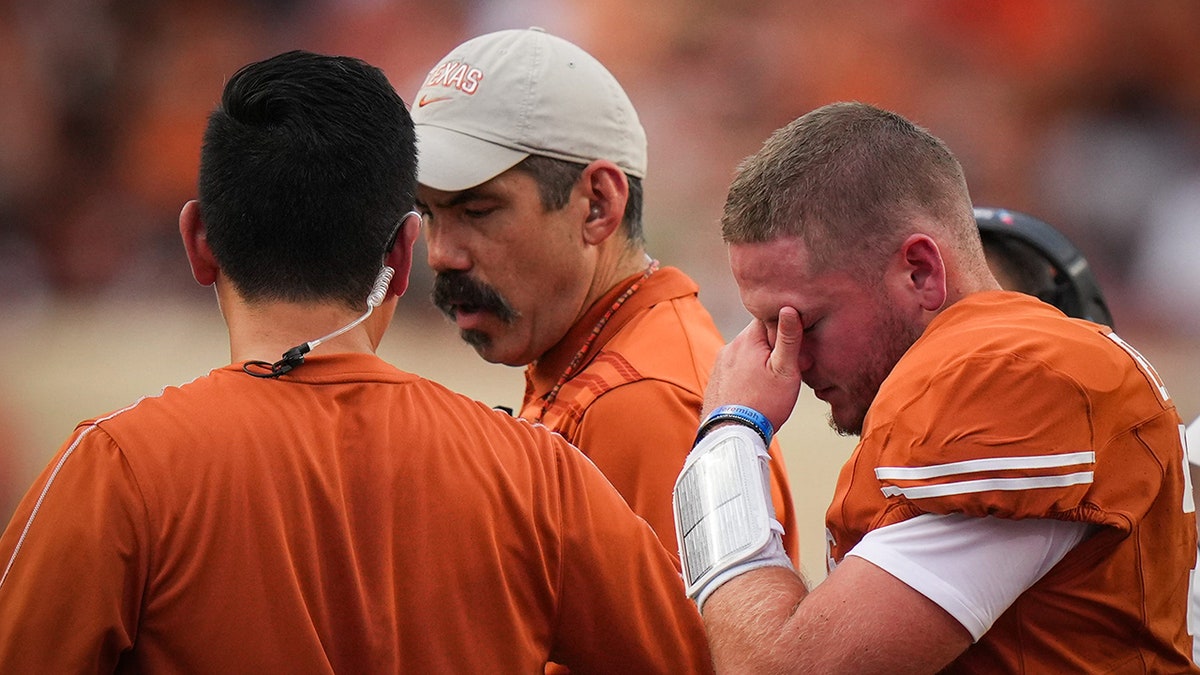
310, 508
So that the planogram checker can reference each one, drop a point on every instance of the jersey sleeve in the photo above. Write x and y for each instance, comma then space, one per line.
622, 605
639, 435
75, 563
996, 435
974, 568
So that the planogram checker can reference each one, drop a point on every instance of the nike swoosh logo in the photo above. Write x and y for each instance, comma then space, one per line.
426, 100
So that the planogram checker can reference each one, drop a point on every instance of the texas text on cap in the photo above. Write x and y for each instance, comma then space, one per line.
498, 98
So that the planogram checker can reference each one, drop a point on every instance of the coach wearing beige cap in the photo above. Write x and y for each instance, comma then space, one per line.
531, 160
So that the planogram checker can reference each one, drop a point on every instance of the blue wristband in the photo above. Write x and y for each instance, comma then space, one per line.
741, 414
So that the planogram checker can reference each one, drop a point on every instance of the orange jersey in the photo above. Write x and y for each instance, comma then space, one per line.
346, 518
633, 405
1006, 408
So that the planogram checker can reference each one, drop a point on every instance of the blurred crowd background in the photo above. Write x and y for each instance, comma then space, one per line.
1085, 113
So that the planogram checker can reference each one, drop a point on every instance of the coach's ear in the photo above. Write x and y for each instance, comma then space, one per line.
195, 242
605, 192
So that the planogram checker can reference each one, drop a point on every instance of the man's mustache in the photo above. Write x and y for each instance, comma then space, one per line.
456, 291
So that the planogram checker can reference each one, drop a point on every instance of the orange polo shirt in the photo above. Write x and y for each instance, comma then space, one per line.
347, 517
633, 405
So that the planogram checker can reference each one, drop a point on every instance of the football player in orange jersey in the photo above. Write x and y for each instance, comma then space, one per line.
1018, 500
1192, 440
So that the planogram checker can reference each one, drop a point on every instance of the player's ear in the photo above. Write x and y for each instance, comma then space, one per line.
606, 191
924, 270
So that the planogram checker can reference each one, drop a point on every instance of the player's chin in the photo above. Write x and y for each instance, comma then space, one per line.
847, 420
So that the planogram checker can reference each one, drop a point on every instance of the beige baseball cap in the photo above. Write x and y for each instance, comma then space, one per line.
500, 97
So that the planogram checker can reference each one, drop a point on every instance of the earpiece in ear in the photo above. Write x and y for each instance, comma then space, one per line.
379, 292
594, 213
396, 230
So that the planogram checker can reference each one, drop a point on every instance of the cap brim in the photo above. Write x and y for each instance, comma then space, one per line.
452, 161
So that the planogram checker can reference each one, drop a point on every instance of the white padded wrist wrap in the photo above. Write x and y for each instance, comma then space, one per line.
724, 517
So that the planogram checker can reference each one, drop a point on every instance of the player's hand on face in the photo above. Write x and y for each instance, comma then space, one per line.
760, 368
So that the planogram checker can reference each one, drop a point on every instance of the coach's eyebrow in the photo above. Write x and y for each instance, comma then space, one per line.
459, 198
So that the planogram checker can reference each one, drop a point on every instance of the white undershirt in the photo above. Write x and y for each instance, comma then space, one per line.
974, 568
1192, 439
